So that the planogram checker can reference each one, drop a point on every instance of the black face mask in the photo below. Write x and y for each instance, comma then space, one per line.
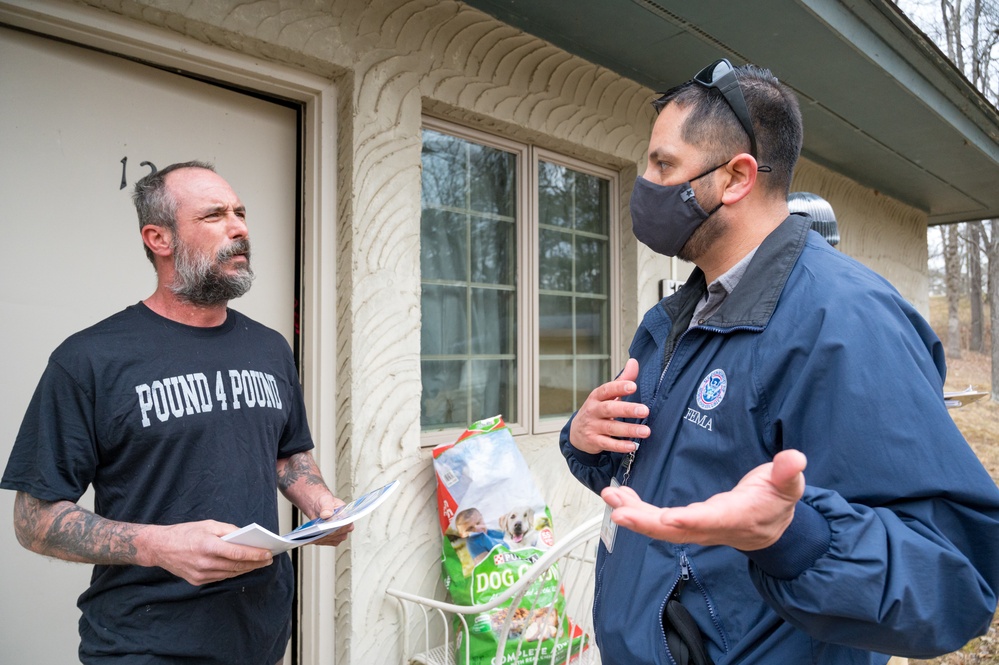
663, 217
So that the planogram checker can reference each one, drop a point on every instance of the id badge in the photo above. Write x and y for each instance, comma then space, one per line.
608, 529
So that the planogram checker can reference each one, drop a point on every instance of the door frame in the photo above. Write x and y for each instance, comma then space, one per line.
120, 36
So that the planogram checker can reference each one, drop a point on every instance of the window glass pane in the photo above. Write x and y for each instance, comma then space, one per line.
494, 318
591, 203
591, 326
457, 393
589, 375
556, 382
555, 260
592, 275
444, 171
443, 242
493, 251
444, 320
554, 194
555, 325
468, 259
492, 180
493, 389
445, 402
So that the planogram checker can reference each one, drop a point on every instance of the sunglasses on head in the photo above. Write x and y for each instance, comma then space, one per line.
719, 74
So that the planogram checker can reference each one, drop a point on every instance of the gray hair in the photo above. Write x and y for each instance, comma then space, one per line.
154, 203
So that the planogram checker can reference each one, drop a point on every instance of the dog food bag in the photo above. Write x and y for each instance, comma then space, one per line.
495, 524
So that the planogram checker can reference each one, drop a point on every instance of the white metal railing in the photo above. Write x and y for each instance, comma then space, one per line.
575, 557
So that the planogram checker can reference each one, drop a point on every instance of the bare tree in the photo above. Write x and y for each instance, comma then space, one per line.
956, 22
950, 13
992, 241
952, 270
968, 32
974, 254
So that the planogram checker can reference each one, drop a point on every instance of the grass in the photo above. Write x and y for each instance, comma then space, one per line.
979, 422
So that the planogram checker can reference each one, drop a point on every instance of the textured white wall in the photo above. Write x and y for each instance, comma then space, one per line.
883, 234
460, 64
394, 60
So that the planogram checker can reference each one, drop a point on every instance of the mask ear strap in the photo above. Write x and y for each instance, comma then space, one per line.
713, 168
693, 196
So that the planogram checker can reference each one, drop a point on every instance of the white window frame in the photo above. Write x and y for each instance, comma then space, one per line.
526, 158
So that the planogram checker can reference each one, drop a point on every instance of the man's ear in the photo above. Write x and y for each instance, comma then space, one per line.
741, 171
158, 239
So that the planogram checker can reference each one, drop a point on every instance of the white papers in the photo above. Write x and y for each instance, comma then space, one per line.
967, 396
255, 535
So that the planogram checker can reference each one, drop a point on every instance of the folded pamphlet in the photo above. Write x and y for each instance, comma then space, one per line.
955, 400
255, 535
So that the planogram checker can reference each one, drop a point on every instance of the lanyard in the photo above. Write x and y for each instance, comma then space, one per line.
630, 459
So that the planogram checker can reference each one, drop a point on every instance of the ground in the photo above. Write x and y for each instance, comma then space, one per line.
979, 422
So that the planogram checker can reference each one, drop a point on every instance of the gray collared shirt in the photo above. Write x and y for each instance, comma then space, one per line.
720, 289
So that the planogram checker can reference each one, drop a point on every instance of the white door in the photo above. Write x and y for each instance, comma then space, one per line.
76, 125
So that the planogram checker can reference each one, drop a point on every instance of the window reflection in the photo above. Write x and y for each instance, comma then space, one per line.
469, 231
574, 283
468, 256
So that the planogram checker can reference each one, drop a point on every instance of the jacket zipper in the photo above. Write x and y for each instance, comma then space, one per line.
687, 574
684, 572
674, 593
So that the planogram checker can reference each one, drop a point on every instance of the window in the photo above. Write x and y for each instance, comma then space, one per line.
573, 287
516, 258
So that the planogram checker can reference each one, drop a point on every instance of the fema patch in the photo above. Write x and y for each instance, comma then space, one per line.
712, 390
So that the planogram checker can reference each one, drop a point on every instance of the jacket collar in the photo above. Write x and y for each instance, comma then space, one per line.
752, 302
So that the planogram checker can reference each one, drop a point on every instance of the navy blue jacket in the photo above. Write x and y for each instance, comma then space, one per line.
894, 548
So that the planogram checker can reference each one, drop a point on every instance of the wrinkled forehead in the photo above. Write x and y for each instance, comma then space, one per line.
201, 189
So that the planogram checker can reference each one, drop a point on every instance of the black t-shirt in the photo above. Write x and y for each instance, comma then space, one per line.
170, 423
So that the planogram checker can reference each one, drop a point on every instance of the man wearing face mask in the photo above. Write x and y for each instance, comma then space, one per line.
778, 352
185, 416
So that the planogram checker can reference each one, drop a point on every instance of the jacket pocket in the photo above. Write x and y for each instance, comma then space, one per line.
695, 625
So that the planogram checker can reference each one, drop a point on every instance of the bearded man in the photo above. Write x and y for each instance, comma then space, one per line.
184, 415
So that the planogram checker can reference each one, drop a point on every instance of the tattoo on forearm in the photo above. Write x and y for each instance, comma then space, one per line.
297, 467
67, 531
300, 480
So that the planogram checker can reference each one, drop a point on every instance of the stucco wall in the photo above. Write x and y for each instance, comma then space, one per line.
456, 63
393, 61
880, 232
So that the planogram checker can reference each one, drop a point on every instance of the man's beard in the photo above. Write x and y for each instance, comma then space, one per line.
202, 280
703, 237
